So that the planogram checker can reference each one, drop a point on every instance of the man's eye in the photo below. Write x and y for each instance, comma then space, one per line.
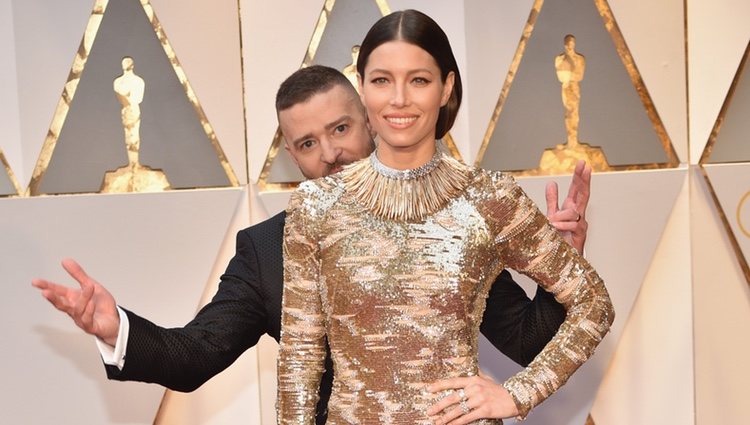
341, 128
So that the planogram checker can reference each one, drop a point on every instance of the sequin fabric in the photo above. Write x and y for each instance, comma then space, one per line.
400, 301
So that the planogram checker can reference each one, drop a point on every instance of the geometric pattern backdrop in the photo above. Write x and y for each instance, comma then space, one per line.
726, 164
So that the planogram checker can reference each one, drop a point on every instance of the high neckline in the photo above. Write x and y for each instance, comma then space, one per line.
408, 174
406, 195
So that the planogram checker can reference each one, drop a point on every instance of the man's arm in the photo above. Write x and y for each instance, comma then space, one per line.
517, 326
181, 359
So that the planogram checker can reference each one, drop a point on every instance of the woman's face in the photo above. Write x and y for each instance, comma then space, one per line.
403, 92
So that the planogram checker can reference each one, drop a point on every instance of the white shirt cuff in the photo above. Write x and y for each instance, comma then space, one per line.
115, 356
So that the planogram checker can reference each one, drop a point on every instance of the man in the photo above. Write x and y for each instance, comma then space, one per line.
325, 127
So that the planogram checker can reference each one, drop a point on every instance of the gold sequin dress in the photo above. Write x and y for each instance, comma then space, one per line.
394, 268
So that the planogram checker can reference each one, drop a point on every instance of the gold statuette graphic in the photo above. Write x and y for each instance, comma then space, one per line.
351, 70
133, 177
570, 67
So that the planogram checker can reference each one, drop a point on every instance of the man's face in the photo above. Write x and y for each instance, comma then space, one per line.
326, 132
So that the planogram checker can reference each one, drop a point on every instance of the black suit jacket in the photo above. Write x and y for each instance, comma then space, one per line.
248, 305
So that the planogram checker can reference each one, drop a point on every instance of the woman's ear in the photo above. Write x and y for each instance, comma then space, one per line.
450, 79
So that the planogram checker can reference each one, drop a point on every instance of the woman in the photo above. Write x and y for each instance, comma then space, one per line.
392, 258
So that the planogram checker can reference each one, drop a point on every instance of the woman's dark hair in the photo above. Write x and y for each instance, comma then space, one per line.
416, 28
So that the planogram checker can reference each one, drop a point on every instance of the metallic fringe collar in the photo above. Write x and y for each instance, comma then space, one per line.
406, 195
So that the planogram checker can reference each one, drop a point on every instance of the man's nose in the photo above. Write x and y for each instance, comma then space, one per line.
329, 152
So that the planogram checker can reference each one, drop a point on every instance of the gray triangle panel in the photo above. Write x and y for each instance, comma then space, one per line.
92, 142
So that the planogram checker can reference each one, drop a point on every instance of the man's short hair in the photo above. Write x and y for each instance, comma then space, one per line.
305, 83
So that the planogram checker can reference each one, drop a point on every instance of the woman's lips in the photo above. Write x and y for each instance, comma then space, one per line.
400, 120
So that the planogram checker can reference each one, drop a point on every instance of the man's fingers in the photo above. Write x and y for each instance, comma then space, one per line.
580, 189
580, 165
76, 271
58, 302
584, 190
577, 180
576, 185
565, 226
87, 292
86, 319
551, 194
40, 283
568, 214
56, 294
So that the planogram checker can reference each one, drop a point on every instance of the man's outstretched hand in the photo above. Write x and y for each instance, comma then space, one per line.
91, 306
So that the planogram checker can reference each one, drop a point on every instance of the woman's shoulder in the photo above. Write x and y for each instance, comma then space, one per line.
317, 195
492, 180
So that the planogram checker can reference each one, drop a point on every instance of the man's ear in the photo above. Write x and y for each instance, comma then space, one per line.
291, 154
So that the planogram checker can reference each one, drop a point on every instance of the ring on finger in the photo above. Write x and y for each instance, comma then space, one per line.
464, 406
461, 394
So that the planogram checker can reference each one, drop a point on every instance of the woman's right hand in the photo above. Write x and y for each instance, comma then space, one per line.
473, 398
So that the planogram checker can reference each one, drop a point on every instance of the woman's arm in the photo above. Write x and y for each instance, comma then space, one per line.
302, 345
530, 245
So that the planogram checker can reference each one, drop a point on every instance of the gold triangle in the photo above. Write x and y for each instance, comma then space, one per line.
74, 78
266, 182
11, 177
708, 150
624, 53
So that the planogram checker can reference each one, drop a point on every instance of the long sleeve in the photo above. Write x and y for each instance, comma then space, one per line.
528, 243
517, 326
302, 346
184, 358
